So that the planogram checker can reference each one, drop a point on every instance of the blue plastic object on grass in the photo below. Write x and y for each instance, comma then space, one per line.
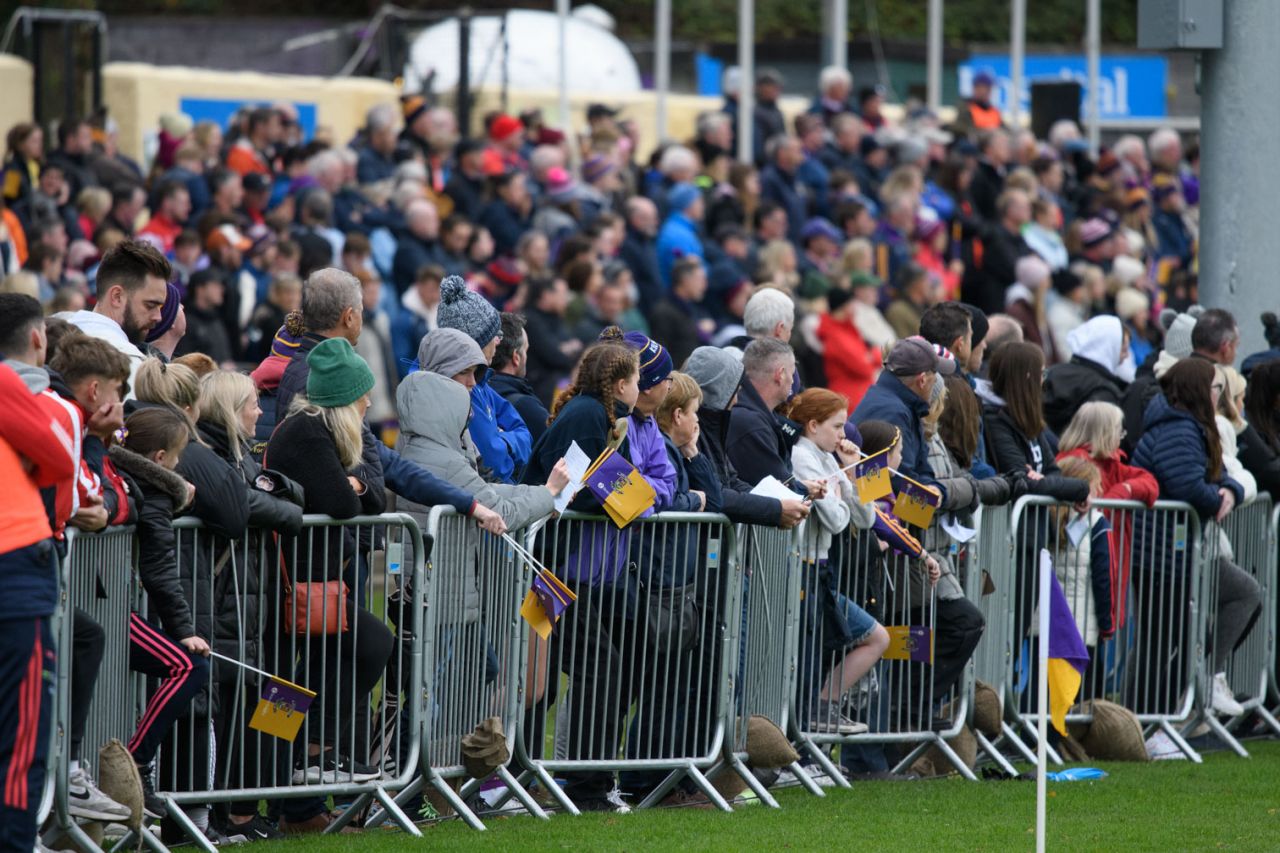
1076, 774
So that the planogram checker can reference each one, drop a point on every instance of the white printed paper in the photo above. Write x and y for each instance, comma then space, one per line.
957, 531
577, 462
771, 487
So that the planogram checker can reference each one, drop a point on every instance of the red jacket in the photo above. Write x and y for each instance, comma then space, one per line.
36, 451
851, 365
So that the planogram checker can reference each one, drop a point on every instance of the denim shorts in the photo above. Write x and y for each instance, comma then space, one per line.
859, 622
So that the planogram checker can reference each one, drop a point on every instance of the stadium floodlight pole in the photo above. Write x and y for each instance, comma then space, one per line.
933, 77
838, 17
562, 21
662, 62
1093, 51
1241, 183
1017, 55
746, 90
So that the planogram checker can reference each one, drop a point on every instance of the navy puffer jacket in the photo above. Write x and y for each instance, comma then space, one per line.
1174, 448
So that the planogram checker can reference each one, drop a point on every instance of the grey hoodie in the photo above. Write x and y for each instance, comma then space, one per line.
449, 352
36, 378
433, 419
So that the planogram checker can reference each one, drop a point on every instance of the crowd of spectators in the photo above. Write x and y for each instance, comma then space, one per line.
959, 295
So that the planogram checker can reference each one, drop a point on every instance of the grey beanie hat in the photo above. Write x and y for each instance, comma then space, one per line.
448, 352
1177, 335
466, 311
718, 373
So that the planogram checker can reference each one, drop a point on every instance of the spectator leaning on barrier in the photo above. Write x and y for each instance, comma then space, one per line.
759, 442
510, 365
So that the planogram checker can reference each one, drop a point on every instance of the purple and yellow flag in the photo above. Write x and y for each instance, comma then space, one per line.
909, 642
547, 598
281, 709
1068, 656
871, 477
916, 503
622, 490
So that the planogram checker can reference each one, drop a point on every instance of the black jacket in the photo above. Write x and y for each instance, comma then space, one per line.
159, 494
517, 391
991, 260
756, 443
302, 449
1261, 458
985, 189
640, 253
674, 324
584, 420
1069, 386
736, 500
1010, 452
547, 363
207, 333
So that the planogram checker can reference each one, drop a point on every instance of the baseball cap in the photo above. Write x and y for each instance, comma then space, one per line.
914, 355
595, 111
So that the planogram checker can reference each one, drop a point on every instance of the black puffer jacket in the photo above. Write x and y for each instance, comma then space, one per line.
237, 584
158, 494
1069, 386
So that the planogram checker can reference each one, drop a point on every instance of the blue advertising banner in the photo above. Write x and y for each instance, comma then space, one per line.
1129, 86
221, 110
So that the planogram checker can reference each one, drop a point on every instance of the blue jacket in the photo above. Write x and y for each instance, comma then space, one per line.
640, 253
757, 443
677, 239
372, 167
498, 432
411, 255
401, 476
815, 177
1173, 448
505, 225
786, 190
1172, 237
892, 402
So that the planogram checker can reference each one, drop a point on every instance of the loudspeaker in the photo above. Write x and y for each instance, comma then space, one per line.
1052, 101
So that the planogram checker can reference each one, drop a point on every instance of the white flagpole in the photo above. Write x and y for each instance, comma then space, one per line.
1046, 568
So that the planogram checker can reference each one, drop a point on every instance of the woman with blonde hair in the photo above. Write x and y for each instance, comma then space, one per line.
778, 266
319, 446
93, 204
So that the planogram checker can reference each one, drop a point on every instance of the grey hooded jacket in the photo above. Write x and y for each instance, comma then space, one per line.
433, 424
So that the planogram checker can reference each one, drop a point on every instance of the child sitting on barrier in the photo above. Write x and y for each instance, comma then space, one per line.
154, 442
1082, 562
847, 627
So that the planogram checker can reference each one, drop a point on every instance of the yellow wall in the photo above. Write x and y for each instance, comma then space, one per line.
17, 83
139, 94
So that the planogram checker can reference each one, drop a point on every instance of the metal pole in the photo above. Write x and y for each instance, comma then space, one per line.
506, 61
1093, 49
1237, 266
1017, 52
747, 92
464, 71
562, 13
662, 62
840, 33
933, 84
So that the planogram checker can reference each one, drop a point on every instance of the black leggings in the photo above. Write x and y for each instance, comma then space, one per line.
87, 645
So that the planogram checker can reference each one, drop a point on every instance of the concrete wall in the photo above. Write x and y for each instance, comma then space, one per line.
139, 94
17, 81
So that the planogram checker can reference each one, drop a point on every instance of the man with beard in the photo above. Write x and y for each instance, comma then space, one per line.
132, 286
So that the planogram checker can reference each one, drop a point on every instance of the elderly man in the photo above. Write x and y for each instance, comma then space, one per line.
780, 183
377, 155
843, 152
640, 250
418, 244
835, 95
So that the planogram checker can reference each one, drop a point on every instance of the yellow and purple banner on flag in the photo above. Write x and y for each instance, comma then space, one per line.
622, 490
547, 598
1068, 656
281, 708
916, 503
910, 643
871, 477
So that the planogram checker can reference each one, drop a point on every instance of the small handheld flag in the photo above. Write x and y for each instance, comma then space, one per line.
622, 490
916, 503
547, 598
909, 642
1067, 655
871, 477
281, 709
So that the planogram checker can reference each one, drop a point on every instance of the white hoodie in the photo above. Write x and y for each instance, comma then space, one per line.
1100, 340
101, 326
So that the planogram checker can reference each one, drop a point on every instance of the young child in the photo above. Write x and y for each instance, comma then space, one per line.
697, 486
155, 440
1084, 566
821, 415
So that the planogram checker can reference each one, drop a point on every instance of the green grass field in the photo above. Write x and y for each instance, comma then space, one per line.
1227, 803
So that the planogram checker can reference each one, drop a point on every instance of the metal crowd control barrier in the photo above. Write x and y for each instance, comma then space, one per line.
989, 585
918, 702
644, 654
99, 580
1151, 662
762, 620
473, 656
1251, 541
360, 737
1271, 603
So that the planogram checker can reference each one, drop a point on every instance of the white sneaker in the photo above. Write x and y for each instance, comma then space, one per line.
86, 801
1223, 700
615, 799
1162, 748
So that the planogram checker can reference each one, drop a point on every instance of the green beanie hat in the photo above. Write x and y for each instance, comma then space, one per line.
338, 377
